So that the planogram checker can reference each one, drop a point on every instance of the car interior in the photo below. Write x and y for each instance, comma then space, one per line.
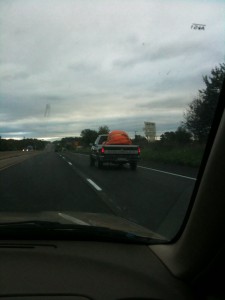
41, 264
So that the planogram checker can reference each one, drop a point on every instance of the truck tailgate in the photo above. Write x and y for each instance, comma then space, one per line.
121, 149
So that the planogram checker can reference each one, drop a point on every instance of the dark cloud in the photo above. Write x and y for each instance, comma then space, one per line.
22, 107
177, 103
82, 68
170, 50
17, 76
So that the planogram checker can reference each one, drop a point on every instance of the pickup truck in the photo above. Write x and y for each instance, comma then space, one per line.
115, 154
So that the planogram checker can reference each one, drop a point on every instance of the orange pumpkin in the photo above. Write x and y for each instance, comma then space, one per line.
118, 137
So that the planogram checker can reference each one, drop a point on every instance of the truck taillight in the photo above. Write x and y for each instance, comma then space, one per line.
139, 150
103, 150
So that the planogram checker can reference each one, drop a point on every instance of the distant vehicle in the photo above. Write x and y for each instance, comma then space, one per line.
105, 150
29, 148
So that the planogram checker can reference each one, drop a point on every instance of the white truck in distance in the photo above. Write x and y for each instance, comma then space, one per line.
116, 154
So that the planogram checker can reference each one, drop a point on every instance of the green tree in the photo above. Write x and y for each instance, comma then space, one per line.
140, 140
200, 112
180, 136
88, 136
167, 137
103, 129
66, 143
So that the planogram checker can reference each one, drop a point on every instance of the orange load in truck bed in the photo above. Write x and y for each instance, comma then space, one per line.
118, 137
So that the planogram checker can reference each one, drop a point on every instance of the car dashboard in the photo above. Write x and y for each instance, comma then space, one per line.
85, 270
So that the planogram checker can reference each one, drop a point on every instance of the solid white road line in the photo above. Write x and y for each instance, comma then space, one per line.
73, 219
94, 184
173, 174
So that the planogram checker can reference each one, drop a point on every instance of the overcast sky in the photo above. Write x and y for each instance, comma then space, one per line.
70, 65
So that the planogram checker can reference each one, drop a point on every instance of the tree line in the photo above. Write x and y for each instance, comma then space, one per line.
199, 114
19, 145
86, 137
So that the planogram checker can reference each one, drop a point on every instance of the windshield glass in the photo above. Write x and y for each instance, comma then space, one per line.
147, 72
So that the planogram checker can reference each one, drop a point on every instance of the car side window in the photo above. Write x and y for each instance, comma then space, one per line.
102, 139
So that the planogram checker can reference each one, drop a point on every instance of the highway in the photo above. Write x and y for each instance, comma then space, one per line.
155, 196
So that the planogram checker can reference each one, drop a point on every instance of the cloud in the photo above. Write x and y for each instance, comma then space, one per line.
118, 63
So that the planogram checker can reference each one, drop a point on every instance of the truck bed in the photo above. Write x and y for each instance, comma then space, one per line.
114, 154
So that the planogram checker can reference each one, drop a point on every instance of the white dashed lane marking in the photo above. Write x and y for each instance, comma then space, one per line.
94, 184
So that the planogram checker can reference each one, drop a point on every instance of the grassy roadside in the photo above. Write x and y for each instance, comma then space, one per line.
186, 155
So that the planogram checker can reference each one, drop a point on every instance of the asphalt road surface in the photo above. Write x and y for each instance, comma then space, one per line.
153, 196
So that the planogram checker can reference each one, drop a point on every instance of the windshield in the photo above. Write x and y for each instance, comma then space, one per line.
147, 72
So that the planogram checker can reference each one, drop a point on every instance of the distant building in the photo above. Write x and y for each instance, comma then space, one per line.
150, 131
